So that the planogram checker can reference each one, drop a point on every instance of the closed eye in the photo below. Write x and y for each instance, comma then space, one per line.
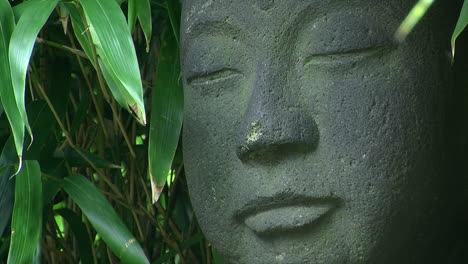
213, 77
342, 57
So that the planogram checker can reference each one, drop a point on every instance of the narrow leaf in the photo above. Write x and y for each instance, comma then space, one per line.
118, 90
6, 197
64, 17
19, 9
21, 46
132, 14
7, 161
80, 232
217, 258
165, 258
144, 16
173, 10
412, 19
43, 123
76, 160
7, 94
114, 45
166, 116
461, 24
26, 224
79, 29
104, 219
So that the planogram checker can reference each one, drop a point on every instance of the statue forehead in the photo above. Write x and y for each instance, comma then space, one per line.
260, 15
265, 4
261, 4
268, 4
196, 9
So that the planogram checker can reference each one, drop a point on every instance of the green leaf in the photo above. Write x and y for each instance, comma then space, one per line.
80, 232
415, 15
104, 219
217, 258
26, 224
144, 16
4, 247
184, 245
114, 46
50, 188
6, 197
7, 94
43, 123
166, 116
79, 29
74, 159
132, 14
20, 50
81, 112
173, 10
118, 90
461, 24
7, 159
18, 10
64, 16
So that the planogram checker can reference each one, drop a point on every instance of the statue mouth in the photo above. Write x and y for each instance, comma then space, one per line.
279, 214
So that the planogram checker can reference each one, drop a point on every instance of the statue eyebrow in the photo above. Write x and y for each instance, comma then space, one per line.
209, 28
265, 4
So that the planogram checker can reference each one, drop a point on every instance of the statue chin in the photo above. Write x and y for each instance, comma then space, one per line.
310, 136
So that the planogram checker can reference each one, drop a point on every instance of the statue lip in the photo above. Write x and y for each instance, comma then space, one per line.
283, 213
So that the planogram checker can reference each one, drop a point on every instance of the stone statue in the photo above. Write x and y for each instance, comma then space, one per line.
310, 136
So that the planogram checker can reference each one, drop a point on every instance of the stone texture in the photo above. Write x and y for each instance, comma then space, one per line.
311, 137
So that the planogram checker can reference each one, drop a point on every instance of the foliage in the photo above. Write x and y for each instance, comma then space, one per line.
78, 80
417, 13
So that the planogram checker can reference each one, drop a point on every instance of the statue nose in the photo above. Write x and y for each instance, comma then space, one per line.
270, 132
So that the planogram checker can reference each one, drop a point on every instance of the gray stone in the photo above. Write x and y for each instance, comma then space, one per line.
310, 136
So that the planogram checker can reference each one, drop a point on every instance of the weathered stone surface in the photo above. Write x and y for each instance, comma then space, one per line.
311, 137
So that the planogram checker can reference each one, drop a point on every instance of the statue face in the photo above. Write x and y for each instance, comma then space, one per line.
309, 135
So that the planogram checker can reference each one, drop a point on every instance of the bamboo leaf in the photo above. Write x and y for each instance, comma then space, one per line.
26, 224
118, 90
64, 16
166, 116
184, 245
22, 42
74, 159
7, 159
132, 14
173, 10
114, 46
6, 197
19, 9
217, 258
144, 16
7, 94
42, 122
415, 15
79, 29
461, 24
80, 232
104, 219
